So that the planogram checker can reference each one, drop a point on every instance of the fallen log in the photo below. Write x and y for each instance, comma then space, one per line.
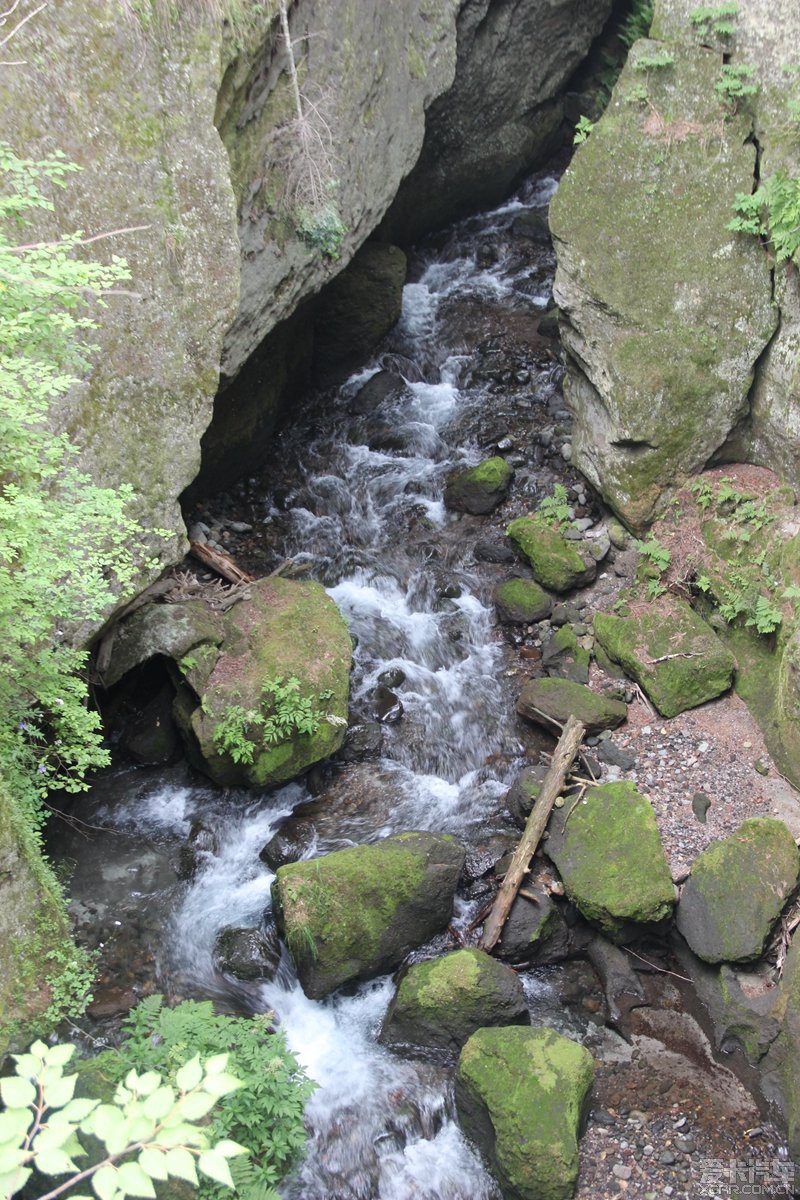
553, 785
220, 562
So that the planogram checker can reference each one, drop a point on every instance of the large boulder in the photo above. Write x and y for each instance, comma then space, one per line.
357, 308
248, 727
664, 319
355, 913
556, 561
736, 891
608, 851
553, 701
247, 953
670, 651
479, 489
169, 630
442, 1002
521, 1095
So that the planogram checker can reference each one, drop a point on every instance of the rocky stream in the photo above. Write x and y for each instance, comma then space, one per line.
354, 497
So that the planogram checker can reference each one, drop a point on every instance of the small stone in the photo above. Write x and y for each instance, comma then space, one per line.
700, 806
566, 452
666, 1158
761, 766
622, 1172
684, 1144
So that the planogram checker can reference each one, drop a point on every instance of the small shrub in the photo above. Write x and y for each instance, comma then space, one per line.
656, 554
582, 130
735, 84
555, 509
322, 230
656, 61
719, 20
772, 212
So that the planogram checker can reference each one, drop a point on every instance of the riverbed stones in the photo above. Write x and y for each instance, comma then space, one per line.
608, 851
442, 1002
736, 891
521, 1096
555, 560
563, 655
553, 701
286, 631
521, 602
670, 651
524, 792
479, 490
357, 912
247, 953
534, 931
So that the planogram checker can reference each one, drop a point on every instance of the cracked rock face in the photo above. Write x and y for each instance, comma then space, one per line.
666, 314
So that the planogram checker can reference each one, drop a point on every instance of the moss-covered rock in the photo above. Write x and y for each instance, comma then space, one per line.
35, 946
664, 319
286, 630
524, 792
521, 602
442, 1002
479, 489
670, 651
171, 630
736, 891
546, 701
521, 1096
535, 931
555, 561
565, 657
609, 854
357, 912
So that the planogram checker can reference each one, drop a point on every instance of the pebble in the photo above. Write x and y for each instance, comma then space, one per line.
566, 452
666, 1158
622, 1172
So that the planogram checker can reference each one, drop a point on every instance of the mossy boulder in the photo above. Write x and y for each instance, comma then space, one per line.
535, 931
521, 602
549, 701
665, 318
609, 854
565, 657
357, 912
555, 560
247, 953
670, 651
521, 1096
286, 630
480, 489
169, 630
524, 792
736, 891
442, 1002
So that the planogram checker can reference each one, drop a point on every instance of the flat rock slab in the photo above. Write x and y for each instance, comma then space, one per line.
557, 562
479, 490
358, 912
670, 651
736, 891
441, 1003
609, 854
549, 701
521, 1095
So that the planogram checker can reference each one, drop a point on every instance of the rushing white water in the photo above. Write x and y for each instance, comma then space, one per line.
382, 1127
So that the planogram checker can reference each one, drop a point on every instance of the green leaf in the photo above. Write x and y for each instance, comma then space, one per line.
190, 1075
148, 1083
53, 1162
59, 1056
17, 1093
14, 1181
216, 1064
196, 1105
220, 1085
104, 1183
154, 1163
60, 1091
216, 1168
229, 1149
14, 1124
160, 1103
180, 1165
134, 1181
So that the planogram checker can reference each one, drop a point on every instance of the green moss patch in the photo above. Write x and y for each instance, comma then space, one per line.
521, 1096
357, 912
480, 489
736, 891
554, 560
670, 651
521, 602
609, 854
441, 1003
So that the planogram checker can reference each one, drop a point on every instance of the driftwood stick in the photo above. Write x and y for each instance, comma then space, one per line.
220, 562
563, 757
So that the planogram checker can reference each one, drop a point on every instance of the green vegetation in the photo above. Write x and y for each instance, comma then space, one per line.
655, 61
735, 84
149, 1130
719, 20
265, 1113
582, 131
772, 212
555, 509
637, 23
283, 713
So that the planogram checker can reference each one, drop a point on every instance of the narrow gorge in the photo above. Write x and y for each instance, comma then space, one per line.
437, 397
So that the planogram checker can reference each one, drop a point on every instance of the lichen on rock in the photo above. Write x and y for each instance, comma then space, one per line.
670, 651
521, 1095
736, 891
555, 561
608, 851
442, 1002
521, 602
354, 913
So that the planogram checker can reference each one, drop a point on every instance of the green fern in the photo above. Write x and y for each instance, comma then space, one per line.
772, 212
